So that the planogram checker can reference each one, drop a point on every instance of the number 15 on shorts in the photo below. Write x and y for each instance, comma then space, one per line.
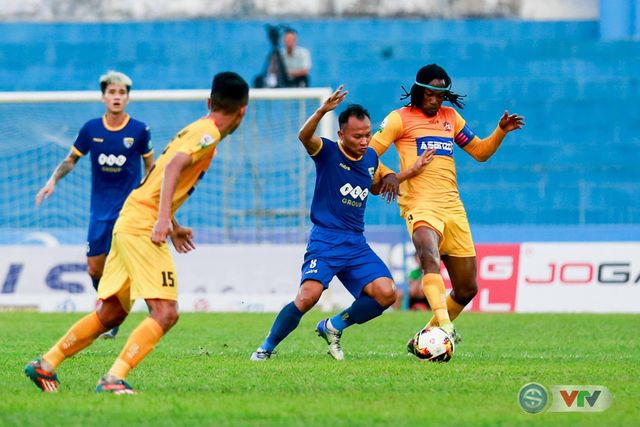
167, 279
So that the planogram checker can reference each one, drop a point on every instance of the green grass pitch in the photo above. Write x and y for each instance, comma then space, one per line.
200, 373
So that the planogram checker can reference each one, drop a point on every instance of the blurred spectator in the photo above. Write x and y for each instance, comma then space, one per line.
297, 60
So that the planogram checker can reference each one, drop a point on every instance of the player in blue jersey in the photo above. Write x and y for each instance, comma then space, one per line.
346, 172
117, 143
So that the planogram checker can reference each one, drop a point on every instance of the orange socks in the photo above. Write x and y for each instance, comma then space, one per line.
434, 290
453, 308
80, 336
140, 343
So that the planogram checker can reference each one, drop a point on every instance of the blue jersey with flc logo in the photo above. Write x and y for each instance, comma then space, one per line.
115, 162
342, 187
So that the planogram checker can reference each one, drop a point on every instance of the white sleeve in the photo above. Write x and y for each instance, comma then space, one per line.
306, 58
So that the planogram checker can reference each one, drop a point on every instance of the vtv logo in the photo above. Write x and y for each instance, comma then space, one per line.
581, 395
111, 159
356, 193
580, 398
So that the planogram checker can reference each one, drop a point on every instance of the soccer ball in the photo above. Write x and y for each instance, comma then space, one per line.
433, 345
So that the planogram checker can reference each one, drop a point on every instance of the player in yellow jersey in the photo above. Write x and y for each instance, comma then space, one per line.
139, 264
430, 202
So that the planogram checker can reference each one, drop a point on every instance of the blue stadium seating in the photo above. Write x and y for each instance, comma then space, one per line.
576, 163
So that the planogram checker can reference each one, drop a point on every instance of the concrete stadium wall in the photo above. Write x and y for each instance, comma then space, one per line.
144, 10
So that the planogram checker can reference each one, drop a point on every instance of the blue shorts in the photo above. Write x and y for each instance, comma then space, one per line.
99, 237
344, 254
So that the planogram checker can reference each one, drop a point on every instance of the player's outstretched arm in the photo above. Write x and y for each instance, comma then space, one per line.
306, 135
385, 183
389, 185
483, 149
421, 162
61, 170
148, 163
164, 226
510, 122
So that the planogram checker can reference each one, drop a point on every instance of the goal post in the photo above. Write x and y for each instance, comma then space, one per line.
257, 189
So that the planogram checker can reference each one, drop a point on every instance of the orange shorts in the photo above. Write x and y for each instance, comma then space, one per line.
450, 223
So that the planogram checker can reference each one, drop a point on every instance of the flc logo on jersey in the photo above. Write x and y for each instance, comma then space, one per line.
206, 140
128, 141
355, 192
353, 196
111, 160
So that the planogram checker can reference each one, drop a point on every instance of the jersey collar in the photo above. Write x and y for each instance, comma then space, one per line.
115, 129
341, 146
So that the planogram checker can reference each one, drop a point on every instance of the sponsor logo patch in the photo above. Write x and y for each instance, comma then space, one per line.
443, 146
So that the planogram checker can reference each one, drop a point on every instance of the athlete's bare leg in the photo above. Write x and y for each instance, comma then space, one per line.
462, 272
382, 290
95, 266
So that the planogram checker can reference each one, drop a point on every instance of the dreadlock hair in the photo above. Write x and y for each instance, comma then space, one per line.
425, 75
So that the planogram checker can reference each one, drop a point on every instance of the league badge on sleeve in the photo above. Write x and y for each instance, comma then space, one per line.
382, 125
206, 140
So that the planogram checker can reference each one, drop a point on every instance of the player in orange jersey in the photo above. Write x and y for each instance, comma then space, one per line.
430, 202
139, 264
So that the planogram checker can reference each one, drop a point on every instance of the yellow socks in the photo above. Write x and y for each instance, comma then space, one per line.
453, 308
80, 336
434, 290
140, 343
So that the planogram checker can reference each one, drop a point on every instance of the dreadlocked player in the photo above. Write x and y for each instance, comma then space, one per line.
430, 202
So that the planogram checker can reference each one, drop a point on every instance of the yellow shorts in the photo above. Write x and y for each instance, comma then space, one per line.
136, 268
450, 223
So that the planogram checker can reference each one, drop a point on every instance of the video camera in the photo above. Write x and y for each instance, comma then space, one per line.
274, 31
274, 74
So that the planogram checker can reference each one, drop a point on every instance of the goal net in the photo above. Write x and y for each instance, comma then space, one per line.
257, 189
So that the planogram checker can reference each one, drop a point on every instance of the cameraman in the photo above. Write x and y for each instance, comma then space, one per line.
297, 60
275, 73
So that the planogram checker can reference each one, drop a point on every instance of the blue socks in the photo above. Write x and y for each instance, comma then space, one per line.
287, 320
362, 310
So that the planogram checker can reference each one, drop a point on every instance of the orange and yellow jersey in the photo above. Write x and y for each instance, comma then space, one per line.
413, 132
140, 211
